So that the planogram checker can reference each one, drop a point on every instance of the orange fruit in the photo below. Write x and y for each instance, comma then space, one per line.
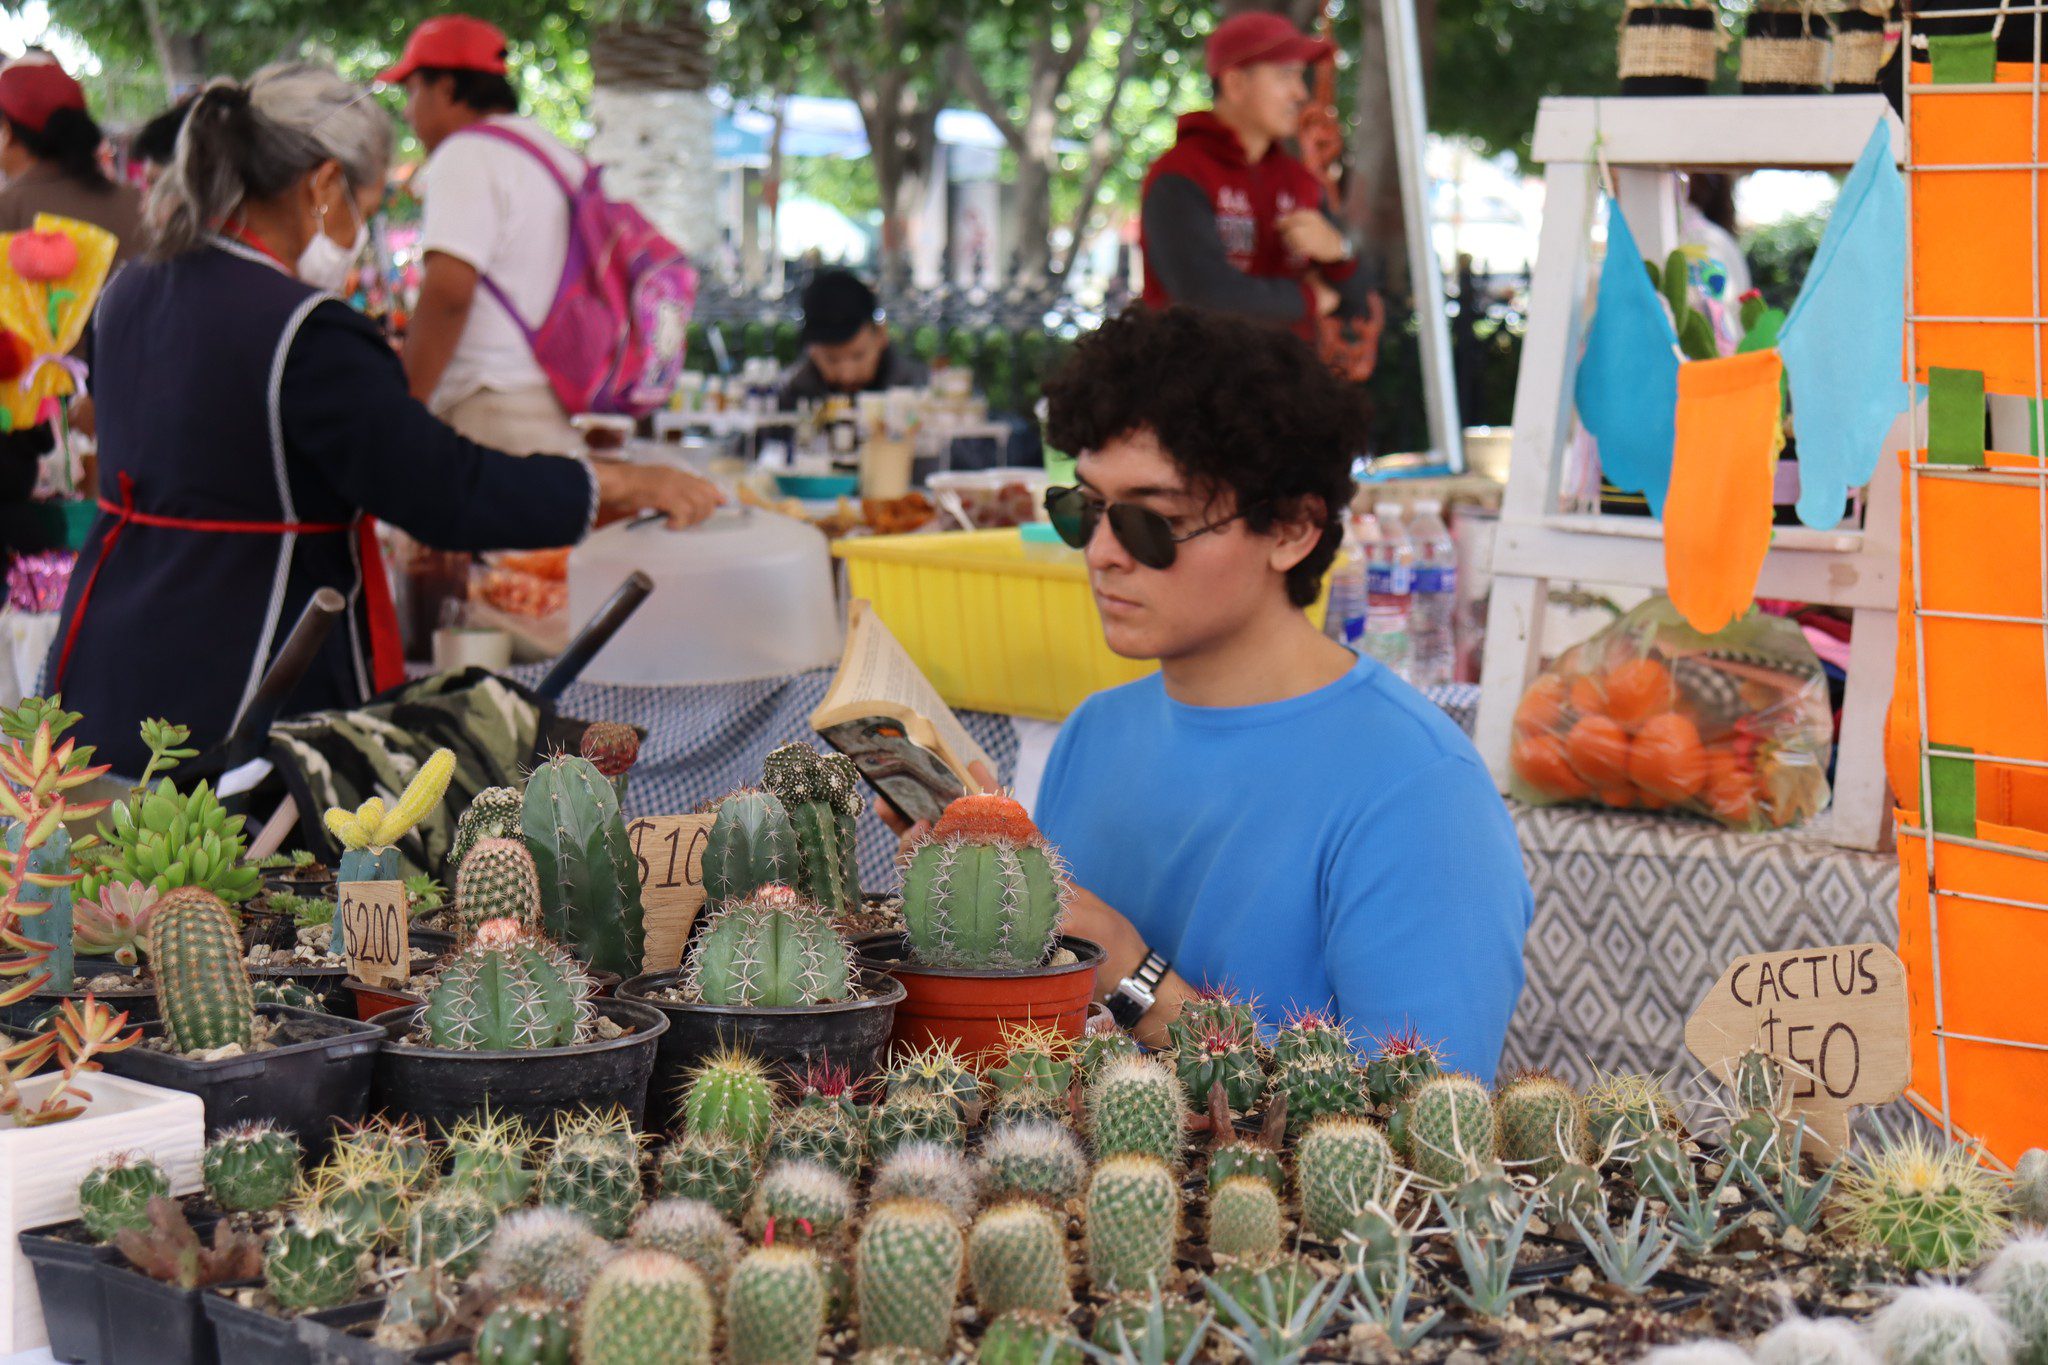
1665, 758
1638, 690
1730, 795
1597, 749
1541, 711
1621, 798
1539, 761
1586, 695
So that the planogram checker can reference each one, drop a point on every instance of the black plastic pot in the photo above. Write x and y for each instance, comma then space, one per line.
850, 1033
66, 1262
442, 1086
316, 1078
153, 1323
435, 941
137, 1001
341, 1336
329, 983
320, 886
249, 1335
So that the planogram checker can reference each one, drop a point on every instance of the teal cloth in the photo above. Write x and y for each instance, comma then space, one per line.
1627, 388
1843, 342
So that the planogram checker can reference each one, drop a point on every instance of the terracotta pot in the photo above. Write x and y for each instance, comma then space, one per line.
372, 1001
969, 1008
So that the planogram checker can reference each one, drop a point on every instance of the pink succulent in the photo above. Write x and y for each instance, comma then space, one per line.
114, 925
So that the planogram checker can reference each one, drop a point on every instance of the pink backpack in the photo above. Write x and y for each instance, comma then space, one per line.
613, 338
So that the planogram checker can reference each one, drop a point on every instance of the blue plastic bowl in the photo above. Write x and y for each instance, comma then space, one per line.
817, 487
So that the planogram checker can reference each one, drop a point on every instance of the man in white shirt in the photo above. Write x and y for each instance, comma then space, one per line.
495, 238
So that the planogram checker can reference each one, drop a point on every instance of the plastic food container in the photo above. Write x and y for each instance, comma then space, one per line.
747, 594
991, 499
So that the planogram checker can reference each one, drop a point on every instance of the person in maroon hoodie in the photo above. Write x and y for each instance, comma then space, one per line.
1231, 221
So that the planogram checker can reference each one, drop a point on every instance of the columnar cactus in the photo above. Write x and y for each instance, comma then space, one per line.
1931, 1207
825, 1125
549, 1252
508, 990
917, 1116
1343, 1166
251, 1167
115, 1194
1246, 1158
1133, 1220
980, 900
1031, 1057
646, 1308
751, 844
493, 813
705, 1166
906, 1276
450, 1228
1402, 1062
596, 1177
937, 1069
1319, 1085
589, 875
822, 795
1034, 1159
730, 1096
1017, 1258
1244, 1219
800, 1199
313, 1262
775, 1307
202, 988
693, 1230
929, 1170
492, 1156
525, 1331
1135, 1106
497, 880
769, 949
1542, 1123
1448, 1127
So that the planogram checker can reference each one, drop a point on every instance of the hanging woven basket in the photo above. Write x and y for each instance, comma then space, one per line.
1668, 49
1784, 50
1860, 48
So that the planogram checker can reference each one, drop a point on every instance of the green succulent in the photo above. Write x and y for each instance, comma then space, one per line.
165, 839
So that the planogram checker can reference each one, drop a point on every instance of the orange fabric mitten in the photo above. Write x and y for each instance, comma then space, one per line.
1717, 517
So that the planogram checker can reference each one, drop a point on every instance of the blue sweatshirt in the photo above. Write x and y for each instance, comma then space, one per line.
1345, 847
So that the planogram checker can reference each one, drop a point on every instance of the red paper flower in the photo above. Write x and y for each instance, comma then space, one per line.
42, 256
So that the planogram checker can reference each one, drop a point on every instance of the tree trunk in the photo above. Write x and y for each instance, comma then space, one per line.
902, 127
652, 122
1372, 203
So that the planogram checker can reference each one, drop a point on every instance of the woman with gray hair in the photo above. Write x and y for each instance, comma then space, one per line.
251, 425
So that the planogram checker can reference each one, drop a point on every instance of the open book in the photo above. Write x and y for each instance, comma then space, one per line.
883, 713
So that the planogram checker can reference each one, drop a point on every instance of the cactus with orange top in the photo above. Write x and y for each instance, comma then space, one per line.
984, 890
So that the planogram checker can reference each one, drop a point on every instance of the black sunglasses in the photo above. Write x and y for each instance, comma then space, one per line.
1075, 512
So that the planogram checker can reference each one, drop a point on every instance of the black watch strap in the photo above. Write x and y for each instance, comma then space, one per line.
1136, 992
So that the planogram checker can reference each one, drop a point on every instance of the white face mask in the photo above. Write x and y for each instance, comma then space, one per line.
325, 265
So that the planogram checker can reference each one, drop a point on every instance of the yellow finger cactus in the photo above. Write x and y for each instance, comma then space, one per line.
371, 826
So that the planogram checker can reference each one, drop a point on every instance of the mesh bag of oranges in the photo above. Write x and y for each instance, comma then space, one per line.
1649, 714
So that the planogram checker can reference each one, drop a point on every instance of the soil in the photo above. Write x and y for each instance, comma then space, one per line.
264, 1035
876, 915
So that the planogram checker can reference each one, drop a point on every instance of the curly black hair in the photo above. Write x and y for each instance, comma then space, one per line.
1241, 407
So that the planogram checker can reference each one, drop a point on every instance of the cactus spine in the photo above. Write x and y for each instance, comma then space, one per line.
692, 1230
525, 1331
914, 1117
1311, 1035
800, 1199
1133, 1220
822, 795
493, 1157
705, 1166
980, 900
1402, 1062
1319, 1085
751, 844
450, 1229
596, 1176
771, 950
929, 1170
549, 1252
115, 1195
497, 880
251, 1167
935, 1069
1017, 1258
1033, 1058
1449, 1128
906, 1275
1940, 1324
493, 813
775, 1307
730, 1096
1542, 1124
1344, 1166
825, 1125
507, 990
201, 985
589, 875
1931, 1208
1246, 1158
1135, 1106
1033, 1159
312, 1263
644, 1307
1244, 1219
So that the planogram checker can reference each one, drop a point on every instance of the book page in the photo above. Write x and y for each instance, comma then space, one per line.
877, 669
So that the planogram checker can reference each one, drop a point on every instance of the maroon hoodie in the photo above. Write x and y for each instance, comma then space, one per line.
1209, 229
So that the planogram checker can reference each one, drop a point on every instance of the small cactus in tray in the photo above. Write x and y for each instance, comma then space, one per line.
646, 1308
1017, 1258
705, 1166
1133, 1222
361, 1193
906, 1276
1343, 1166
918, 1116
398, 1146
1026, 1337
800, 1200
1319, 1086
494, 1156
552, 1253
1930, 1207
1626, 1106
1235, 1158
1093, 1051
492, 813
937, 1069
1031, 1057
984, 891
769, 949
251, 1167
596, 1176
775, 1307
1542, 1123
1447, 1127
825, 1124
929, 1170
1221, 1055
693, 1230
1135, 1106
1940, 1324
1244, 1219
1400, 1063
314, 1262
1034, 1159
751, 844
526, 1331
1143, 1325
202, 986
2030, 1187
115, 1195
730, 1096
2016, 1282
450, 1228
1312, 1035
508, 990
497, 880
822, 794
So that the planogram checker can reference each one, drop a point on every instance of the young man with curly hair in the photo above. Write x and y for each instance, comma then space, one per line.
1269, 810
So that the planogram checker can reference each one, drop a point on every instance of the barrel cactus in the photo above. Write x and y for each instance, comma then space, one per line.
1625, 1106
751, 844
709, 1167
983, 896
497, 880
730, 1096
825, 1124
906, 1275
250, 1167
1031, 1057
917, 1116
937, 1069
1542, 1123
525, 1331
1319, 1085
1244, 1219
800, 1200
1017, 1258
822, 795
1312, 1035
693, 1230
492, 813
1221, 1055
1343, 1166
552, 1253
492, 1155
1448, 1128
589, 875
507, 990
646, 1308
314, 1262
450, 1228
1930, 1206
1400, 1063
1093, 1051
202, 986
775, 1307
770, 949
594, 1176
1135, 1106
929, 1170
1246, 1158
1033, 1159
1133, 1221
360, 1194
115, 1195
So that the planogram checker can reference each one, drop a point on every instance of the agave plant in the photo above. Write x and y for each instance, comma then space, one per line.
114, 924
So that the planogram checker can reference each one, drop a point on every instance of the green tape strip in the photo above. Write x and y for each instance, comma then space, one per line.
1963, 58
1954, 782
1955, 417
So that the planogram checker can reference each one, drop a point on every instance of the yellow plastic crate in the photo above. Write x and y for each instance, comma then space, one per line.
997, 623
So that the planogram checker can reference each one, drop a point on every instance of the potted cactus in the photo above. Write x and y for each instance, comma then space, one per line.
589, 876
511, 1028
983, 896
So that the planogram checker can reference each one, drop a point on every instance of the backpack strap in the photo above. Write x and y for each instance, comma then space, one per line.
498, 132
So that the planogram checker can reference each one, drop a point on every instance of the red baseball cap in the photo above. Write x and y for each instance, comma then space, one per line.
31, 91
450, 42
1261, 36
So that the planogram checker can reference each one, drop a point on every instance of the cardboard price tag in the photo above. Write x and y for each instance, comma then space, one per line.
670, 849
1834, 1017
374, 931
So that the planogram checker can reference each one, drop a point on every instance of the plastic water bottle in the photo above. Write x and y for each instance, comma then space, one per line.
1433, 613
1344, 621
1389, 586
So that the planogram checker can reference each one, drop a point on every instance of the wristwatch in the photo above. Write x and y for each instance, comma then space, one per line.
1136, 992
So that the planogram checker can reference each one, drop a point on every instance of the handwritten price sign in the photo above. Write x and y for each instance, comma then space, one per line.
671, 853
1834, 1017
373, 931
